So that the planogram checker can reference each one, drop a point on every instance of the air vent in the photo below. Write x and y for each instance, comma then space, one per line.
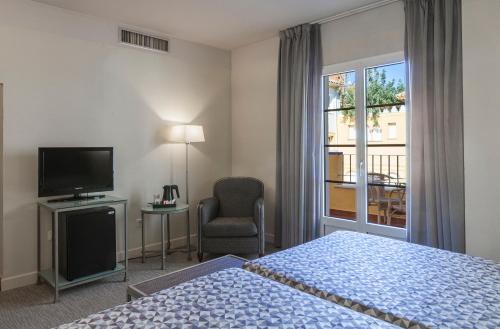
141, 40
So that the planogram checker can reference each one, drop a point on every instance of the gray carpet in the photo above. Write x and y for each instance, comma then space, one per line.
32, 307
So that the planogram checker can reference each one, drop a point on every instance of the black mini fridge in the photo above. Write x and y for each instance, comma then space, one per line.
87, 242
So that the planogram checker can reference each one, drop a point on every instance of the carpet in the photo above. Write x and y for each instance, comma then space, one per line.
32, 307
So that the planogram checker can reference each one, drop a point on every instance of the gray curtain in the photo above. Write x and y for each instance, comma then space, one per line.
299, 135
433, 53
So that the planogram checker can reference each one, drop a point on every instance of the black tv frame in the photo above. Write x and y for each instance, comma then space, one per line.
77, 194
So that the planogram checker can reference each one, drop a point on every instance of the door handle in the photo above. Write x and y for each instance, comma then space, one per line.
361, 168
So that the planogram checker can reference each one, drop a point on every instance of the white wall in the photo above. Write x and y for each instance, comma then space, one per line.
481, 52
375, 32
254, 79
254, 86
67, 82
1, 180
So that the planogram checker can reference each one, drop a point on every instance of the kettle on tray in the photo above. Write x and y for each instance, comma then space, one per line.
169, 199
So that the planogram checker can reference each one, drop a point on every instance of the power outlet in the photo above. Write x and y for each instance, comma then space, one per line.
49, 235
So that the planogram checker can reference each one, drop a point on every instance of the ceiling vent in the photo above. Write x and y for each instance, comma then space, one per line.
141, 40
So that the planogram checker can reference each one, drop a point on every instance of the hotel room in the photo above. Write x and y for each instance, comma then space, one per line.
249, 164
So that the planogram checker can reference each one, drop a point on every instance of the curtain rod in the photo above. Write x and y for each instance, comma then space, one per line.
354, 11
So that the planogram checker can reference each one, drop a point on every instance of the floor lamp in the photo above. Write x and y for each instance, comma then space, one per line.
187, 134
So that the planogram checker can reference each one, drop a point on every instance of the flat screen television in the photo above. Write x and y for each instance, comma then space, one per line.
74, 170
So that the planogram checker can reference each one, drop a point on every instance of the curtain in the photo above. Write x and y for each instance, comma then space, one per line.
298, 162
433, 54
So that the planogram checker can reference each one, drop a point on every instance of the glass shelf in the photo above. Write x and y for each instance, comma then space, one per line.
48, 276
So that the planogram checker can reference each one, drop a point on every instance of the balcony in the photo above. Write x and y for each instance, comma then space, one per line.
386, 180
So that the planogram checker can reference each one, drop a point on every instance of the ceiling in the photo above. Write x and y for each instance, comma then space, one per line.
224, 24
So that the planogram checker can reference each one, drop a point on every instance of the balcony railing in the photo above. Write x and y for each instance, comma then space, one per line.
392, 167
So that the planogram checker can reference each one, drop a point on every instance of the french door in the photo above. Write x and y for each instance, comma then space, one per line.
365, 150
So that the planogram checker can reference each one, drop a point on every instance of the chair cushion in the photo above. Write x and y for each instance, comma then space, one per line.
230, 227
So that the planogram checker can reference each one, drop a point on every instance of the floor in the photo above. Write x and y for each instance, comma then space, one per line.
396, 221
32, 307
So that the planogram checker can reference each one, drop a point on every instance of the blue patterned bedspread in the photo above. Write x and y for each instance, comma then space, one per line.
232, 298
405, 284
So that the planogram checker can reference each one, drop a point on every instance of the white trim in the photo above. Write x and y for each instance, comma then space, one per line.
19, 280
26, 279
354, 11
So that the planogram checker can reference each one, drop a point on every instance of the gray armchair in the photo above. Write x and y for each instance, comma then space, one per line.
232, 221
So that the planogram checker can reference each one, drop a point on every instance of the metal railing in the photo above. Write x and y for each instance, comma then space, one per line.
391, 166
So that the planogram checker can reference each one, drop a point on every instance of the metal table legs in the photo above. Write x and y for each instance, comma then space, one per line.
39, 243
165, 251
188, 237
143, 238
168, 232
125, 232
163, 242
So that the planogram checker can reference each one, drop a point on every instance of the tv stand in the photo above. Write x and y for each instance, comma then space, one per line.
78, 197
51, 274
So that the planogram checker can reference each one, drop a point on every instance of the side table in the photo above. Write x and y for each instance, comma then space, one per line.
149, 210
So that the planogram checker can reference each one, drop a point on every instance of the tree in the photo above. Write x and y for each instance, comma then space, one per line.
379, 92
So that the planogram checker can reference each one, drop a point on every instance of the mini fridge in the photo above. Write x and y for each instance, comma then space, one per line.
87, 242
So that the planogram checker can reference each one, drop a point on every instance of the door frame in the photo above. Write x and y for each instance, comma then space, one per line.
361, 224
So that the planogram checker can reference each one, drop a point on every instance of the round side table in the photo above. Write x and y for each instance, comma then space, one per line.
149, 210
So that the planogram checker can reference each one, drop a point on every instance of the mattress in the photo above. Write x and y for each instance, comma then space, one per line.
232, 298
409, 285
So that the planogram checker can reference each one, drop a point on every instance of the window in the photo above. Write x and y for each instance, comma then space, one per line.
392, 130
365, 150
375, 134
352, 132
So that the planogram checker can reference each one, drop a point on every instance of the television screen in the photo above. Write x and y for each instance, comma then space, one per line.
74, 170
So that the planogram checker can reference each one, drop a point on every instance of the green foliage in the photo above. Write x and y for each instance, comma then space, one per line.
380, 91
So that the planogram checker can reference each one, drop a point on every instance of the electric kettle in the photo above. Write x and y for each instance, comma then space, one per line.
169, 199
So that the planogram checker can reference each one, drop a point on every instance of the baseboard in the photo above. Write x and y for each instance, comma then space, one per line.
26, 279
174, 243
17, 281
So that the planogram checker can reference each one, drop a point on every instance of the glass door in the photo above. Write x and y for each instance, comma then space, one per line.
365, 161
340, 149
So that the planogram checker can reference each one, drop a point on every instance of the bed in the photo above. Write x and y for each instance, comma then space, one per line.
409, 285
231, 298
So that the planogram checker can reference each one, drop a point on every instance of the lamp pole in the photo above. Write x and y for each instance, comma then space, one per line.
187, 173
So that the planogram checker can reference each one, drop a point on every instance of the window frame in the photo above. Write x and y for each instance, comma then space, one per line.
361, 224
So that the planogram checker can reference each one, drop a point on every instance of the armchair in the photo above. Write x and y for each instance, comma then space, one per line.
232, 220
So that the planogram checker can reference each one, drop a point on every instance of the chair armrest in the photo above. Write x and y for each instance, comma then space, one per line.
207, 210
259, 221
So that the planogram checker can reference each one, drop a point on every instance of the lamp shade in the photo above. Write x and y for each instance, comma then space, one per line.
186, 134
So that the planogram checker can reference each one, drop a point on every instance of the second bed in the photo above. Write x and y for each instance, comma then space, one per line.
409, 285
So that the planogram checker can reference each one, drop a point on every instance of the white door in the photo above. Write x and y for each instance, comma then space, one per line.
365, 148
